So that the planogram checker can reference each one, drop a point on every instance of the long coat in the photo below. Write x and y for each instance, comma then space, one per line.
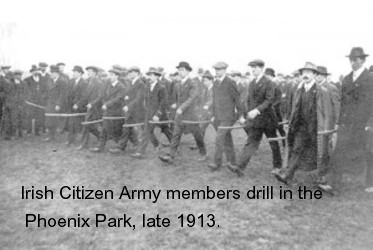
57, 95
226, 105
76, 97
157, 101
261, 96
355, 116
186, 97
113, 99
135, 101
92, 96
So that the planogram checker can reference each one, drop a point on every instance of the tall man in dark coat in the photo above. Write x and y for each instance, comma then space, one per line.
4, 78
92, 101
226, 108
134, 109
36, 93
302, 135
260, 119
57, 102
156, 111
186, 96
112, 102
77, 87
351, 154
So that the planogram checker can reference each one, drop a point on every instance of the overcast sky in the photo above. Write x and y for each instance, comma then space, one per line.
285, 34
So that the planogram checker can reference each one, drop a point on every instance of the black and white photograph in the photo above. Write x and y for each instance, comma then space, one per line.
186, 124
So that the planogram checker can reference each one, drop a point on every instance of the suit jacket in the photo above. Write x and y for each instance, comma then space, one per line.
37, 92
186, 96
226, 105
335, 101
76, 95
262, 96
156, 101
57, 95
135, 100
324, 109
113, 99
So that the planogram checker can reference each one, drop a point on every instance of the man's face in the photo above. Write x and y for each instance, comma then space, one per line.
76, 74
91, 73
54, 75
6, 71
220, 72
43, 69
132, 75
237, 79
308, 75
35, 73
113, 77
18, 77
320, 78
62, 68
183, 72
207, 82
356, 63
153, 77
256, 70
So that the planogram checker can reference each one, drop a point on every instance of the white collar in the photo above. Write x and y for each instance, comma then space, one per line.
307, 86
114, 83
357, 73
55, 80
77, 79
184, 80
259, 77
134, 80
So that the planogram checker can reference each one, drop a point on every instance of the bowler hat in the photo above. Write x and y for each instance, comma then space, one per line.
257, 62
220, 65
270, 72
208, 75
153, 70
184, 65
43, 65
78, 69
309, 66
34, 68
322, 70
93, 68
54, 69
357, 52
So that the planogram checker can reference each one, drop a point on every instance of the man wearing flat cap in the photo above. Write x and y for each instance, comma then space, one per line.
57, 103
207, 99
92, 101
76, 89
36, 93
134, 108
260, 119
225, 103
353, 151
156, 111
61, 67
112, 100
186, 97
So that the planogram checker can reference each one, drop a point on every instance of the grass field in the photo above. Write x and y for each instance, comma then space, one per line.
340, 222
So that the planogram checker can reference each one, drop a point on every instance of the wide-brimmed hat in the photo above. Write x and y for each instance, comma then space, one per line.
270, 72
5, 67
93, 68
184, 65
133, 69
309, 66
357, 52
43, 65
322, 70
78, 69
208, 75
153, 70
34, 68
54, 69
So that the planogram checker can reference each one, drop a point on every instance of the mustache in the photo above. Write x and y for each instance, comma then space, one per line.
306, 78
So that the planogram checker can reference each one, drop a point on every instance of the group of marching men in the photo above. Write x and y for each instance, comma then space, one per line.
329, 126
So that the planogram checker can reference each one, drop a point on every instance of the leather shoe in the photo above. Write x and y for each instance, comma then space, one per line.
325, 187
96, 150
137, 156
235, 169
47, 139
115, 150
166, 158
282, 178
201, 158
213, 166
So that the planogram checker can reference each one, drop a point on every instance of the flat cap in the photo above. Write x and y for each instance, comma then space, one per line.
5, 67
34, 68
220, 65
78, 69
54, 69
60, 64
18, 72
155, 71
257, 62
270, 72
115, 71
93, 68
